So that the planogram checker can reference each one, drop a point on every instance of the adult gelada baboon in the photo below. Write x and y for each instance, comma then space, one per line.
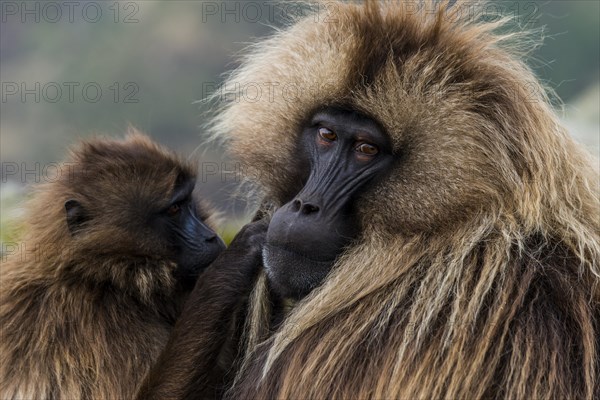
436, 227
112, 248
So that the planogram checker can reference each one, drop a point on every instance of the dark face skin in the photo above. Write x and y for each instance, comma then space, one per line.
174, 229
344, 152
192, 243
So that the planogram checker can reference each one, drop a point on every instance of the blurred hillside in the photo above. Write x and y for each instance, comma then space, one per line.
151, 60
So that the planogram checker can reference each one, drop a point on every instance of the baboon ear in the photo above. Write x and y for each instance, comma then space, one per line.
75, 215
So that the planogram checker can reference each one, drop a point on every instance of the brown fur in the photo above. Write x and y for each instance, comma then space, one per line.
84, 316
477, 273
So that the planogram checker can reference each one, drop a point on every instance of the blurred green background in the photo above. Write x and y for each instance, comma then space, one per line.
153, 59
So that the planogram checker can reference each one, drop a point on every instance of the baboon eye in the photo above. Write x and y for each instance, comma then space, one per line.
327, 134
368, 149
173, 210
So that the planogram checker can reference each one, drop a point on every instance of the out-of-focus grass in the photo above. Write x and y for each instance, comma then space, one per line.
10, 226
229, 229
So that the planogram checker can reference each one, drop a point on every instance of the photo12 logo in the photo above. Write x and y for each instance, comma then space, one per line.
54, 92
68, 11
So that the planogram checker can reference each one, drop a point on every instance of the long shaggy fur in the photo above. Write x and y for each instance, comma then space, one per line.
83, 316
477, 274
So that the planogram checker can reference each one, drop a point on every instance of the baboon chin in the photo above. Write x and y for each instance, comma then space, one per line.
111, 251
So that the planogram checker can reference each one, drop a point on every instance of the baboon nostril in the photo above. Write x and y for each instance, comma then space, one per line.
309, 208
296, 204
302, 207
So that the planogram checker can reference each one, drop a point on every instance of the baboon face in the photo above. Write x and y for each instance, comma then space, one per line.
342, 152
444, 121
131, 199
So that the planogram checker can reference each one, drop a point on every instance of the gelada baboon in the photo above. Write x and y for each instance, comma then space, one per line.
113, 247
435, 226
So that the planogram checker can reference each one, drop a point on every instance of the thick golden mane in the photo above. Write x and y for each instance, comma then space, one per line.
477, 272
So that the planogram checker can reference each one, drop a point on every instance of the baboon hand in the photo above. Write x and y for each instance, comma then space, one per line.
236, 268
250, 240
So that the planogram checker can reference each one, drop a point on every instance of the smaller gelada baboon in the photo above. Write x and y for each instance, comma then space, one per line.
110, 251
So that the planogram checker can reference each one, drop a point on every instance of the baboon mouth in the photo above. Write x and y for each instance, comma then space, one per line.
275, 247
